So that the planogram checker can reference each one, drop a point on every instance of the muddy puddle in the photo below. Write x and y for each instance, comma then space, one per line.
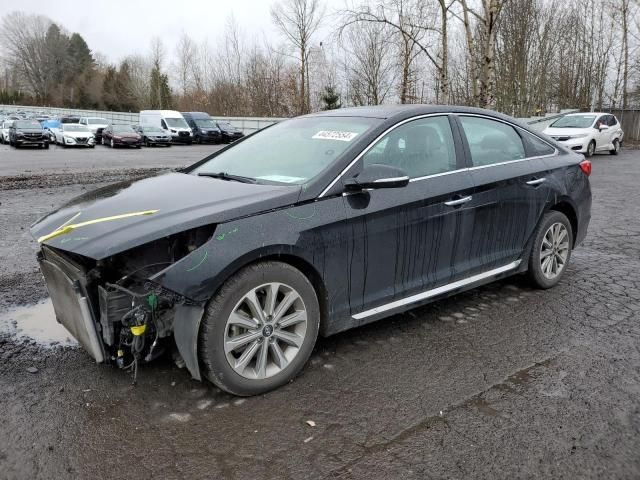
36, 322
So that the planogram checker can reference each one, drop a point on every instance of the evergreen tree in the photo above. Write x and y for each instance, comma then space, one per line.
330, 98
109, 90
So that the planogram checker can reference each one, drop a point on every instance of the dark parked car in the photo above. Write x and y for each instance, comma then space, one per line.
28, 132
153, 136
228, 132
311, 226
205, 129
121, 136
70, 119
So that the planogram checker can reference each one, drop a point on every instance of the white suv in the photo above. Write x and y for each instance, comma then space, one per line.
588, 133
96, 125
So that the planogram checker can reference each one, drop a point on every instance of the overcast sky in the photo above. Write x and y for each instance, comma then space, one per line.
117, 28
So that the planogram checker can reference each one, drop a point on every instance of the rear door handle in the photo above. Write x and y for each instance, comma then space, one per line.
536, 181
458, 201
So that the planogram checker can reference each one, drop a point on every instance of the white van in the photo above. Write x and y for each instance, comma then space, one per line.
171, 121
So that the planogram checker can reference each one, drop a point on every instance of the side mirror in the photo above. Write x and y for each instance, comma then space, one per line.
377, 176
603, 127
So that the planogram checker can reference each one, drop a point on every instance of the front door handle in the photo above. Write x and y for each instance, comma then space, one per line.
458, 201
536, 181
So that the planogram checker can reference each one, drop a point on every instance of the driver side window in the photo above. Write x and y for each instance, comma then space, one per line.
420, 148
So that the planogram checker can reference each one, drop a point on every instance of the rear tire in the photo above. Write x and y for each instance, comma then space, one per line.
616, 147
551, 251
281, 360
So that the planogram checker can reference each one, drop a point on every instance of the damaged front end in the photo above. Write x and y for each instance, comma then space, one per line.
115, 311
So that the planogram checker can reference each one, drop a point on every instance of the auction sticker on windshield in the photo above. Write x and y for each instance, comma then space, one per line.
335, 135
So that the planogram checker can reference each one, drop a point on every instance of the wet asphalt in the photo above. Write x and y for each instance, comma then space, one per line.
500, 382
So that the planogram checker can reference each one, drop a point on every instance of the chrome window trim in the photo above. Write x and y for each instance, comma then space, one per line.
434, 175
459, 170
436, 291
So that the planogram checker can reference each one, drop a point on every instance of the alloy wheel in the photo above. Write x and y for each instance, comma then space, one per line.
265, 331
554, 250
591, 149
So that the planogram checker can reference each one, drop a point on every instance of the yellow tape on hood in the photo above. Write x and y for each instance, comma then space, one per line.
68, 228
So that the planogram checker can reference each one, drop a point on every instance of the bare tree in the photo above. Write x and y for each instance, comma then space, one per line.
298, 20
369, 64
413, 20
23, 37
185, 54
481, 47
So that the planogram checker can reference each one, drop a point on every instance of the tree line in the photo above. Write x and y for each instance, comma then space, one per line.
521, 57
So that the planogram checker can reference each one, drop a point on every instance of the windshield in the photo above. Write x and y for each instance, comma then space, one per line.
206, 123
226, 126
176, 122
97, 121
293, 151
123, 129
574, 121
27, 124
152, 130
71, 127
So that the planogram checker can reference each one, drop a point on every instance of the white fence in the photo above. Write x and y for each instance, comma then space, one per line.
246, 124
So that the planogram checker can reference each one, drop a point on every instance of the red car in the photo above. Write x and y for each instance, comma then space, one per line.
121, 136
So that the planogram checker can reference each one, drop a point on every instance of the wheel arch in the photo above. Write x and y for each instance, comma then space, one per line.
566, 207
290, 257
188, 319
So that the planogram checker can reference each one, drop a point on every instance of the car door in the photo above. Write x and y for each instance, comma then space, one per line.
511, 188
602, 136
405, 240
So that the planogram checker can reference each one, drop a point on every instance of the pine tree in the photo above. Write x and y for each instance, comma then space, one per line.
330, 98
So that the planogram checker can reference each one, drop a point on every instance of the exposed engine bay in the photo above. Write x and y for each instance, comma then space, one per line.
112, 306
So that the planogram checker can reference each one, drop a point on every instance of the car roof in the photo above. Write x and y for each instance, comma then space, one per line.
386, 112
587, 113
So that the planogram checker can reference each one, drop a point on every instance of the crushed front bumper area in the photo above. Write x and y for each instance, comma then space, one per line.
118, 324
66, 283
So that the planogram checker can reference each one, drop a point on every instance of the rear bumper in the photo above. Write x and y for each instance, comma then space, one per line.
66, 284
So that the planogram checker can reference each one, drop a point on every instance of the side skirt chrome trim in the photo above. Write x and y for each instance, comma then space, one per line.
436, 291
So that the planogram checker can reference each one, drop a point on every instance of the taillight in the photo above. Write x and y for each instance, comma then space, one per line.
585, 166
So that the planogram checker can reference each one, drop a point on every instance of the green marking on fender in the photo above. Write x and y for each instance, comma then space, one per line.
302, 218
206, 254
222, 236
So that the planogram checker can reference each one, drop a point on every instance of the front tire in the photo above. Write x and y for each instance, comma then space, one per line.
616, 147
551, 250
591, 149
259, 330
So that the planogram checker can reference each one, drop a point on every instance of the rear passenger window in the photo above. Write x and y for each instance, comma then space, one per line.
420, 148
491, 141
537, 147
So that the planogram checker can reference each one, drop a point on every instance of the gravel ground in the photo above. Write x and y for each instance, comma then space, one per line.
500, 382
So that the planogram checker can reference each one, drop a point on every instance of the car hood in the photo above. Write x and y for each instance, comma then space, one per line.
78, 134
551, 131
126, 135
129, 214
29, 130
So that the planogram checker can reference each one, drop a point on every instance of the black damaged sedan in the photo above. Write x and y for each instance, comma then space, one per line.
312, 226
